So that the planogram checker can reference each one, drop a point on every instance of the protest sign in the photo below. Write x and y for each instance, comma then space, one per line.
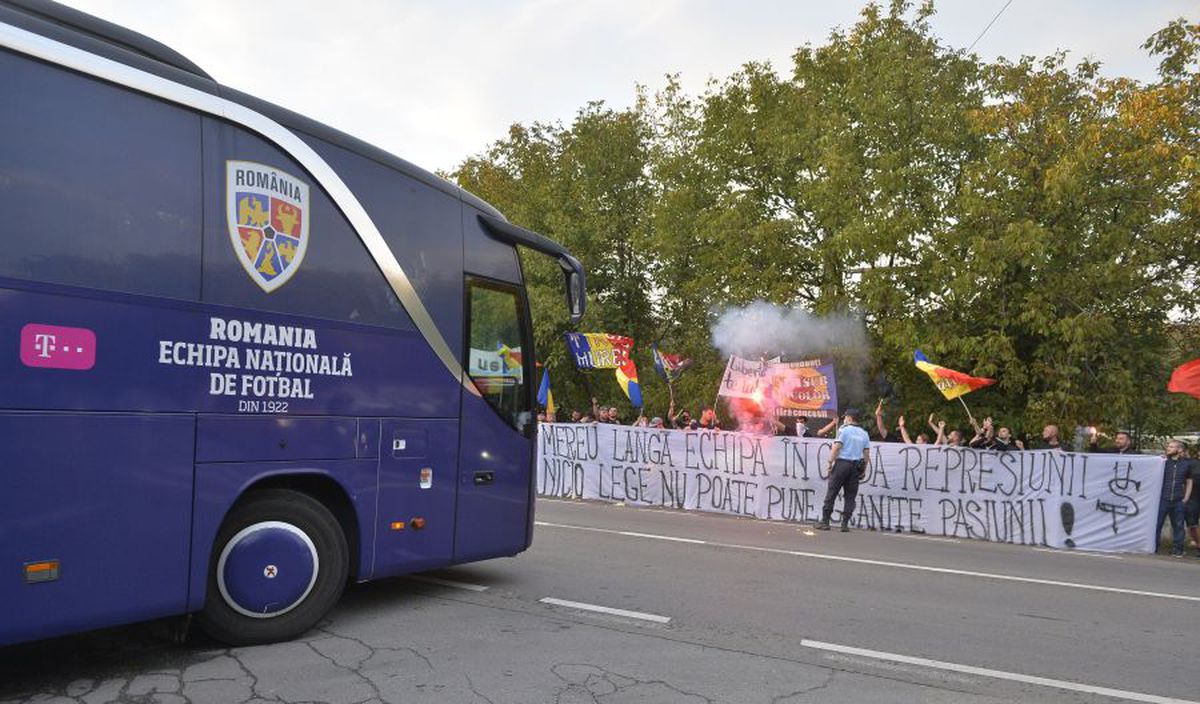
1042, 498
802, 389
495, 370
495, 363
784, 389
745, 378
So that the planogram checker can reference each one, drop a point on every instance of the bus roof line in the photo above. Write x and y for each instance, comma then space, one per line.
49, 18
515, 234
505, 231
109, 32
85, 62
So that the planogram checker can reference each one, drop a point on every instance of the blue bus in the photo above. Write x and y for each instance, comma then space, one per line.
247, 358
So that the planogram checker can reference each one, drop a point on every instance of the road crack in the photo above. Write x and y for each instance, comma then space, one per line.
807, 690
476, 692
586, 682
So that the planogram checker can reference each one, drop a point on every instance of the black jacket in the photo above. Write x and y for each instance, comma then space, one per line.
1176, 472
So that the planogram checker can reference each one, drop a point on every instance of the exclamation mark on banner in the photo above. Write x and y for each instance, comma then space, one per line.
1068, 520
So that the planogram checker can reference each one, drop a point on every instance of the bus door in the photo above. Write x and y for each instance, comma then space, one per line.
496, 431
418, 465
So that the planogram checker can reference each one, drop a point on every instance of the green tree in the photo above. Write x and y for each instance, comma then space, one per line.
586, 186
1028, 220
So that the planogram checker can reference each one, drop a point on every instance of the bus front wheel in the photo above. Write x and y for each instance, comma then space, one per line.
279, 564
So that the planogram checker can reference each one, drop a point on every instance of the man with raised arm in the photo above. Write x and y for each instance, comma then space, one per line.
847, 467
1122, 443
828, 428
886, 435
985, 435
880, 425
939, 428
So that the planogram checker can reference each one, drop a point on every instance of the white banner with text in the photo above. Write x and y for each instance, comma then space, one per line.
1042, 497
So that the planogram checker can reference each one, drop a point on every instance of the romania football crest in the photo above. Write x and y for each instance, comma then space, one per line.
267, 211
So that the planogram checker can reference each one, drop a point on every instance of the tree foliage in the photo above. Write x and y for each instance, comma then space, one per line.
1029, 220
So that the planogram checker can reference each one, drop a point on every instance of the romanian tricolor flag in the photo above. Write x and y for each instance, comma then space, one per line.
952, 384
545, 396
627, 377
598, 350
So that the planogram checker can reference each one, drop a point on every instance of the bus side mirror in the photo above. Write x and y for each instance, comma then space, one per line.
576, 302
576, 286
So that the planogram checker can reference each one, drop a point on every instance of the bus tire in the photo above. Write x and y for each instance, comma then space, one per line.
279, 563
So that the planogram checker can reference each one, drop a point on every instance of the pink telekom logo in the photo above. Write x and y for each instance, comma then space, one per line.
57, 347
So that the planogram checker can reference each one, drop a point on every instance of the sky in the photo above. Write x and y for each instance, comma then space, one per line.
436, 81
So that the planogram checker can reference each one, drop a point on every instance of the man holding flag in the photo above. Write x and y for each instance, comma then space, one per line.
669, 367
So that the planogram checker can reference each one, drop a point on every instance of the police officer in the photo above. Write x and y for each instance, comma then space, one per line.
847, 467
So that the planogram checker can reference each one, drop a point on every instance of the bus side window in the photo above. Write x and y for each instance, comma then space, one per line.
496, 362
99, 186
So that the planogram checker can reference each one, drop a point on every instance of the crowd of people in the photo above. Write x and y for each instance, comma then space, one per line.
987, 436
681, 420
1180, 501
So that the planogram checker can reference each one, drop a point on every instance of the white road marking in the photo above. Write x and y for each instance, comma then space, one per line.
651, 536
606, 610
447, 583
994, 674
896, 565
677, 513
1078, 553
934, 538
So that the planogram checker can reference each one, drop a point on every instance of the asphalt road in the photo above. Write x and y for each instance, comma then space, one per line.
708, 609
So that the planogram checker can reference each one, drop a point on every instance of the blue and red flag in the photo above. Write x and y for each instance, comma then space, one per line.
669, 366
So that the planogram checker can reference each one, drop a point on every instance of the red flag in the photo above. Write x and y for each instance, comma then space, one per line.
1186, 379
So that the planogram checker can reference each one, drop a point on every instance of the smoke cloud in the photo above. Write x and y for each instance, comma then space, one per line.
762, 329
